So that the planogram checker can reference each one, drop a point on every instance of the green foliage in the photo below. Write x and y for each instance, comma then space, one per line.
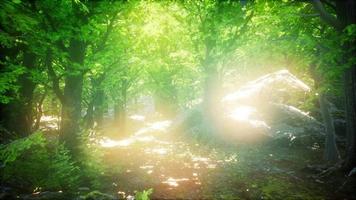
96, 195
144, 195
34, 162
92, 166
8, 82
281, 189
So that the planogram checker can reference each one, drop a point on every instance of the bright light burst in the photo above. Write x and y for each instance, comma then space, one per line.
137, 117
159, 151
174, 182
254, 88
49, 122
156, 126
108, 143
242, 113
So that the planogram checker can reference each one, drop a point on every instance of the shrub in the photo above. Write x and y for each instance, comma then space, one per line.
33, 162
92, 167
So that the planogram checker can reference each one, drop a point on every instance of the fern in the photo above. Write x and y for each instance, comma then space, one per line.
144, 195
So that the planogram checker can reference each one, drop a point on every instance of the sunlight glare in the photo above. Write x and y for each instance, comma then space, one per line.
51, 122
201, 159
109, 143
146, 167
259, 124
174, 182
296, 110
242, 113
137, 117
146, 139
161, 125
160, 151
211, 166
156, 126
254, 88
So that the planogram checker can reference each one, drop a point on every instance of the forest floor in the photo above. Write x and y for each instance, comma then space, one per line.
180, 169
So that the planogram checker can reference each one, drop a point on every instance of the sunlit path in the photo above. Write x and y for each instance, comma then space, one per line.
153, 159
187, 170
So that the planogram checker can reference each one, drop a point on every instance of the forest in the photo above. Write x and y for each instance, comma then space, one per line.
177, 99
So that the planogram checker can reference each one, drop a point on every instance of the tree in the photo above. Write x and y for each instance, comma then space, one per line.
69, 46
345, 19
217, 29
20, 61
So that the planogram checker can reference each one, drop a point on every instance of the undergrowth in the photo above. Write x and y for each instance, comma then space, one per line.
33, 163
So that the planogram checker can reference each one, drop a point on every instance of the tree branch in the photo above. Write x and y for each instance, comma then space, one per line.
109, 28
52, 74
310, 15
239, 30
330, 4
325, 16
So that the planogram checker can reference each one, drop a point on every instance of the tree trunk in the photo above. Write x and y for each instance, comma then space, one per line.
19, 112
345, 16
6, 108
350, 100
95, 111
120, 108
210, 90
346, 13
24, 122
120, 117
89, 116
331, 152
99, 107
72, 97
39, 111
211, 98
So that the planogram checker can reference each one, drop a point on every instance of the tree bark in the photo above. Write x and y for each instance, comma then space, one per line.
331, 152
121, 107
350, 101
211, 90
95, 111
99, 107
19, 112
346, 14
89, 116
24, 122
120, 115
72, 98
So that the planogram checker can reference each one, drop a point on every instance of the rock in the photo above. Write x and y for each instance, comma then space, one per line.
352, 172
258, 110
7, 196
314, 169
265, 87
7, 193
